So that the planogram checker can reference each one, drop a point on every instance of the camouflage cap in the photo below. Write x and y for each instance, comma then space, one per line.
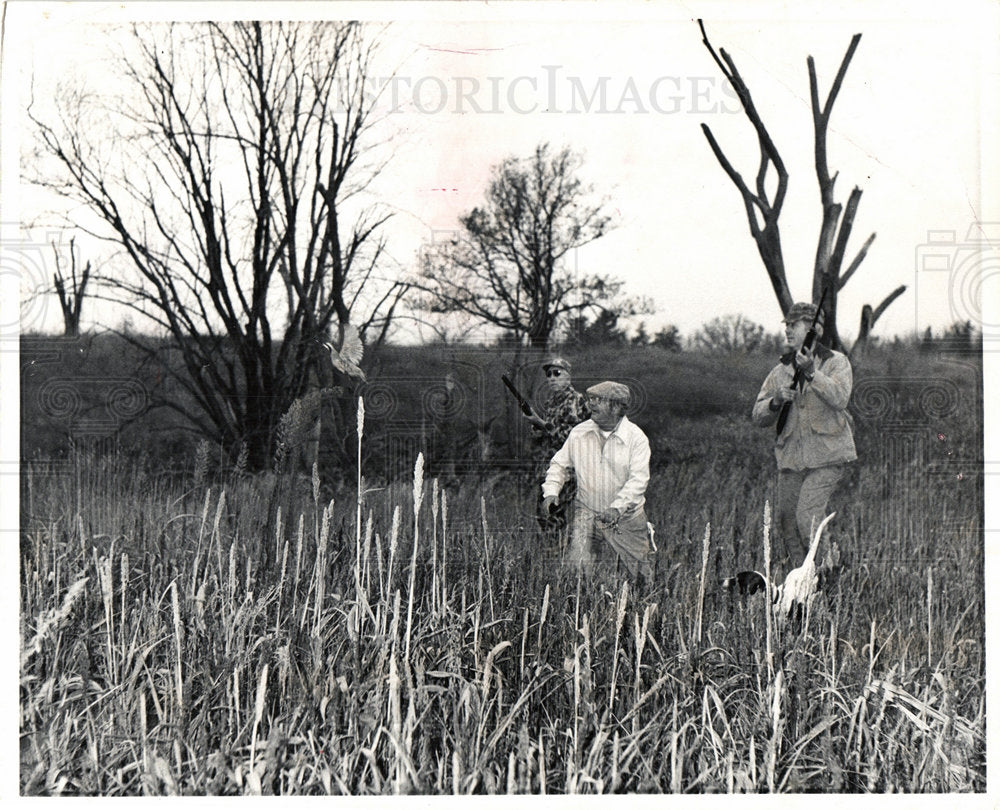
801, 311
612, 391
557, 362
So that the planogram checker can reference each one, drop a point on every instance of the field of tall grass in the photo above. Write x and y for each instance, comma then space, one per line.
231, 633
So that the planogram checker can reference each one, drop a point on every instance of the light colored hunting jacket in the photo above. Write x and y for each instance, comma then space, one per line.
818, 430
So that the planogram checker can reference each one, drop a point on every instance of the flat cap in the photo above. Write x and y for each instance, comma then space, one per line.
613, 391
557, 362
801, 311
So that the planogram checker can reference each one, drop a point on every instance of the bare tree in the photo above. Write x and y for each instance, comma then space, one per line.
764, 208
70, 289
225, 178
507, 265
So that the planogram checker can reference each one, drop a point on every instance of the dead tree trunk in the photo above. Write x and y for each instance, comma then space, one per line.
837, 221
70, 290
762, 210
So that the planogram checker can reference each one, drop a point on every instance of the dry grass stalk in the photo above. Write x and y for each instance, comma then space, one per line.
619, 621
107, 597
366, 552
258, 713
768, 591
777, 725
321, 568
444, 548
179, 646
298, 559
930, 619
216, 536
51, 620
434, 541
701, 583
360, 497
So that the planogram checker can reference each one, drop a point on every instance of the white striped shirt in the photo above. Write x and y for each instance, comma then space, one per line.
611, 472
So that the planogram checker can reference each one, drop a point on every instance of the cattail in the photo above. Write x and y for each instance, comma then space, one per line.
418, 493
418, 484
488, 669
393, 541
541, 620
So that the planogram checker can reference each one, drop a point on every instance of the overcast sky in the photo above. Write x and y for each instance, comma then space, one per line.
628, 85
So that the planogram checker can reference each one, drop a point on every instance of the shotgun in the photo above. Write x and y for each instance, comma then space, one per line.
525, 407
798, 377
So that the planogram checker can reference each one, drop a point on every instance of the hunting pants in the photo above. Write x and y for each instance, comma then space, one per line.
627, 540
800, 505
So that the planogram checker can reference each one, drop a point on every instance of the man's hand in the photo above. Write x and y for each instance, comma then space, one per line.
804, 361
548, 502
535, 419
784, 394
609, 515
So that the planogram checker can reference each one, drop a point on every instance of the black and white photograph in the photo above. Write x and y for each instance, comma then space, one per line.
437, 399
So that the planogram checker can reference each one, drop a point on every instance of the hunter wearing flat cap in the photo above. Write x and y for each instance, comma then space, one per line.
816, 443
610, 456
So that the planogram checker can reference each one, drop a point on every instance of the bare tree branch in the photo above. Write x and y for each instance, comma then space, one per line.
869, 317
764, 231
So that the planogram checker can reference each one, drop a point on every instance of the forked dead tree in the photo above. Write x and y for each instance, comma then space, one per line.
763, 208
70, 289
